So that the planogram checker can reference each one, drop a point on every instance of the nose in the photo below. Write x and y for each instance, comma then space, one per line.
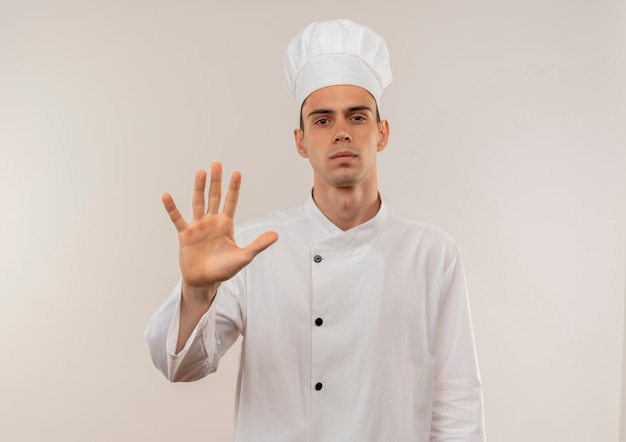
342, 135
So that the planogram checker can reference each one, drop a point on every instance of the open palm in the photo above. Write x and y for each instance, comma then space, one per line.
208, 253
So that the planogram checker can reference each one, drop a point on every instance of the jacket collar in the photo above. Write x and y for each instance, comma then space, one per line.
323, 229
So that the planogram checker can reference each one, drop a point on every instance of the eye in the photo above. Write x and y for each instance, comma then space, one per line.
321, 122
358, 118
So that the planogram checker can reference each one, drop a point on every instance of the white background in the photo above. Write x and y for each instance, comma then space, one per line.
507, 131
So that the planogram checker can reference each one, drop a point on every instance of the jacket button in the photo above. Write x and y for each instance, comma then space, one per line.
318, 386
317, 259
319, 321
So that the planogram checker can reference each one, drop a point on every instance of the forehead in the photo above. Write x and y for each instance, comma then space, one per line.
337, 98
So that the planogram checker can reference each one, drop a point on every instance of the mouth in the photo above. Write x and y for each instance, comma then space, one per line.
344, 154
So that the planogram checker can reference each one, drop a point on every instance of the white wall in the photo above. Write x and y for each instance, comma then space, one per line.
508, 132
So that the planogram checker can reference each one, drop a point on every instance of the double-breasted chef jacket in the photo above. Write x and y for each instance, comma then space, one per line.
357, 335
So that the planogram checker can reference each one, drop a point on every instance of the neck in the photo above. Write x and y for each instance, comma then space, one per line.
347, 207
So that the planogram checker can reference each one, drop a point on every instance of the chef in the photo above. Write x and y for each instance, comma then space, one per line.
354, 318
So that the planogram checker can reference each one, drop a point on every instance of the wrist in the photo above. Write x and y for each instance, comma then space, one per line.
199, 295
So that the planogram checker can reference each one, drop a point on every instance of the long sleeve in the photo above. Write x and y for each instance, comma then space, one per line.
372, 342
215, 333
457, 405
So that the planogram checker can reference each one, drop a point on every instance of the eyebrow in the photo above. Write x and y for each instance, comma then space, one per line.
350, 109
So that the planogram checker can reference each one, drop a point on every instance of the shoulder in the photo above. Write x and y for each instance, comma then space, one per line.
400, 220
279, 220
415, 232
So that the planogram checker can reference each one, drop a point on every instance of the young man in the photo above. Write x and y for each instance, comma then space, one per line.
355, 319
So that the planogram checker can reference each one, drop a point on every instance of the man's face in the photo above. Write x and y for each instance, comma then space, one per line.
341, 136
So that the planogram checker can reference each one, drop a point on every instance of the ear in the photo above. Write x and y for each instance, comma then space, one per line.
298, 136
383, 135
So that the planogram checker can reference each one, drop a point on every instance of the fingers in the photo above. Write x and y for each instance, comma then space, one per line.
215, 192
232, 197
215, 196
215, 189
197, 199
172, 211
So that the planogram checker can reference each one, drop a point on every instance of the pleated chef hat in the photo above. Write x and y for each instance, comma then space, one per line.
336, 52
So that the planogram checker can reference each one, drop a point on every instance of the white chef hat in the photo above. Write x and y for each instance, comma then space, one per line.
336, 52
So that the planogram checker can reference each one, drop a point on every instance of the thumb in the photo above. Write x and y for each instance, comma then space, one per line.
262, 242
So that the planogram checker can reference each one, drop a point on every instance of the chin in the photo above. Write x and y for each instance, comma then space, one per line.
342, 178
345, 182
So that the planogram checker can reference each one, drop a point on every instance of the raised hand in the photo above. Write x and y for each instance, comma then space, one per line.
208, 253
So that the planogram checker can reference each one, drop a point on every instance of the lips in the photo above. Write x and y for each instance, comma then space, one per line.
343, 154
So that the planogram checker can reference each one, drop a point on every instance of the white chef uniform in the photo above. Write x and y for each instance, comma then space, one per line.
358, 335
